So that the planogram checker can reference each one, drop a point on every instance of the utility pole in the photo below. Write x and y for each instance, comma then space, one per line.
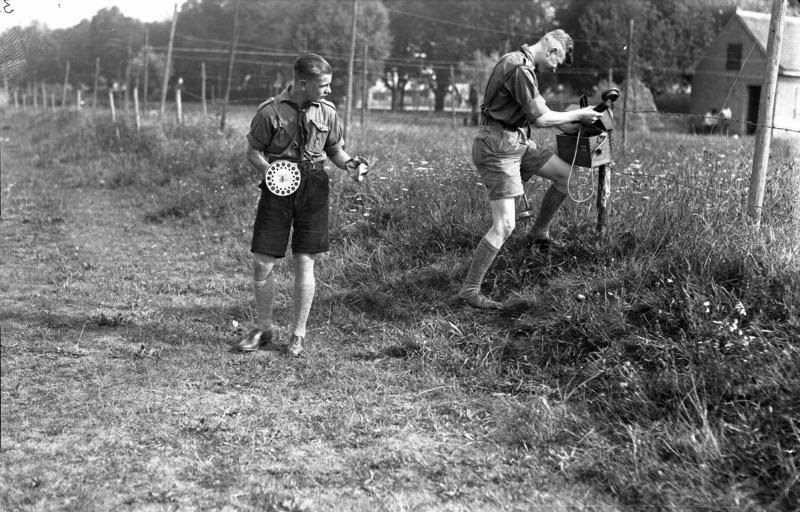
203, 86
766, 112
453, 93
364, 86
96, 80
66, 83
126, 101
146, 66
628, 88
348, 104
165, 83
231, 57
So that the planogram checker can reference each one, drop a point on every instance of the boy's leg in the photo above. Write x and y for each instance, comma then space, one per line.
270, 235
503, 223
264, 291
557, 171
304, 286
264, 288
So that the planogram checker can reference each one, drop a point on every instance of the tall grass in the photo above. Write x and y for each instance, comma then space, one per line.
673, 338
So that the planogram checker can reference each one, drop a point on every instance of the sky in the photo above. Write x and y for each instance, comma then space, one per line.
67, 13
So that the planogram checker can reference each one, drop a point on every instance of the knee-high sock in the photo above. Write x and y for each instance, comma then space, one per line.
265, 294
303, 297
551, 202
482, 259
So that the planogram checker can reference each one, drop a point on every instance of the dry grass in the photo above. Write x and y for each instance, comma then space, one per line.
653, 367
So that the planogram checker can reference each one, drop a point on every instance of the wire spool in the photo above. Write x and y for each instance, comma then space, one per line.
282, 177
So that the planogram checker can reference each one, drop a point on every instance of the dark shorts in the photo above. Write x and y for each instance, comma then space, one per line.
505, 159
303, 213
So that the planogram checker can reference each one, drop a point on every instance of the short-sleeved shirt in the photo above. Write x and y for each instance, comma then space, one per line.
514, 87
281, 128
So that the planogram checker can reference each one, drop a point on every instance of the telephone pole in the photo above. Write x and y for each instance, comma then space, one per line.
165, 82
348, 105
766, 113
230, 64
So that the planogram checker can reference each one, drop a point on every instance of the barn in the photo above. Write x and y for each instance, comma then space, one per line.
742, 45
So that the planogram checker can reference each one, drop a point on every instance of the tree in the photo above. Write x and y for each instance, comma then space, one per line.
325, 27
436, 35
670, 35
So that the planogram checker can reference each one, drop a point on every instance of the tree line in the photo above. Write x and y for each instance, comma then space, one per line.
410, 44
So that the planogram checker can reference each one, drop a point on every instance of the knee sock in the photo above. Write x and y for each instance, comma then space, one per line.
551, 202
303, 297
265, 294
482, 259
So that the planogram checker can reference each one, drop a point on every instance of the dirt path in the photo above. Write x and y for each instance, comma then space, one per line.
120, 391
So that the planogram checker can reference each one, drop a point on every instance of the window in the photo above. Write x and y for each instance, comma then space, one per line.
734, 61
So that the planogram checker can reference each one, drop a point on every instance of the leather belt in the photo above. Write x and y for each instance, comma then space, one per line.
304, 166
500, 124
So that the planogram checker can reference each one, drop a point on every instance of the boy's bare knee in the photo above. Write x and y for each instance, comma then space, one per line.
262, 266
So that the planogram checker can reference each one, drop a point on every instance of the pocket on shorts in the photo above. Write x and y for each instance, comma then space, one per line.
317, 190
508, 142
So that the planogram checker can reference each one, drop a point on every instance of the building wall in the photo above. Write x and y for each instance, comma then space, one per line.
787, 103
712, 81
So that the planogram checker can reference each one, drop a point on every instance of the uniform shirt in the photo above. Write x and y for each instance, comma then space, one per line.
515, 82
281, 128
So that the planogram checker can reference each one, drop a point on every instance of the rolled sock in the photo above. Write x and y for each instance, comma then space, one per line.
551, 202
303, 297
482, 259
265, 294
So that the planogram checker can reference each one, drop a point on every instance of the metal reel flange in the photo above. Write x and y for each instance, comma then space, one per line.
282, 177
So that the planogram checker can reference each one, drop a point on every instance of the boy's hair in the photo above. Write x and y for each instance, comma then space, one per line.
310, 65
564, 40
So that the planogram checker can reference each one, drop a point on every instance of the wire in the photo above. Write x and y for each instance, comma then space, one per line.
572, 167
703, 116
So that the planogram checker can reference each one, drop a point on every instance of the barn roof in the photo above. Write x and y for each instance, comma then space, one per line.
757, 25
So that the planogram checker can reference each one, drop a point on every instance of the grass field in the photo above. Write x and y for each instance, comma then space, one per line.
655, 367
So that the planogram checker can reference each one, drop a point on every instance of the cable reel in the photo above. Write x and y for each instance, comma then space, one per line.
282, 177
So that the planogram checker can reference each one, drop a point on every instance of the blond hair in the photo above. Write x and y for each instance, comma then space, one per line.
560, 36
563, 39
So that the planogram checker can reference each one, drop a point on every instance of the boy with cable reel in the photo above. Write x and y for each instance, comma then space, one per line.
289, 139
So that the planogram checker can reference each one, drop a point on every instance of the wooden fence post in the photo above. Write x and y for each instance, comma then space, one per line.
66, 83
203, 86
178, 102
111, 102
603, 193
96, 80
136, 106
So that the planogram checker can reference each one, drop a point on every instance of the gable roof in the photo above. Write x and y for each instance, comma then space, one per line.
757, 25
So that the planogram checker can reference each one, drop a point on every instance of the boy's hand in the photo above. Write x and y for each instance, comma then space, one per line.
359, 166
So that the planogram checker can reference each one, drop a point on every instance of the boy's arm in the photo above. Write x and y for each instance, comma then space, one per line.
342, 160
257, 160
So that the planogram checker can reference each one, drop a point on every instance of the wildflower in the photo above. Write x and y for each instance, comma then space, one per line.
739, 308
